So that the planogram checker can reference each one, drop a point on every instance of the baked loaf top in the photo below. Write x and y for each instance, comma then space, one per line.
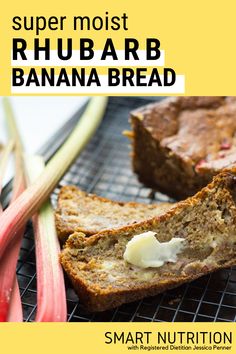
207, 222
88, 213
200, 130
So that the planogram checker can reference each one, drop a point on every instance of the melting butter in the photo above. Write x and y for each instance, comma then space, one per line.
146, 251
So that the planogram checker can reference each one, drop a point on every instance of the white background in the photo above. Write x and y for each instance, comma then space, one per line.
38, 118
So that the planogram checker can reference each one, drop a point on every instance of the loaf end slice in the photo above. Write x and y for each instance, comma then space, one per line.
171, 147
78, 211
207, 223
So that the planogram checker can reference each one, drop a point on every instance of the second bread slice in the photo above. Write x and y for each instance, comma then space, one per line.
84, 212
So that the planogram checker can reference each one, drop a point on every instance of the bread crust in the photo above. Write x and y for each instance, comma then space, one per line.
180, 143
97, 297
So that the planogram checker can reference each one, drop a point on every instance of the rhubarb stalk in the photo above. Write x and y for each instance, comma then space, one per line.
15, 310
51, 296
9, 297
17, 214
4, 159
10, 302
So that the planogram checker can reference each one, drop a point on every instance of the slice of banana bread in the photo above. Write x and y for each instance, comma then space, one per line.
88, 213
180, 143
207, 222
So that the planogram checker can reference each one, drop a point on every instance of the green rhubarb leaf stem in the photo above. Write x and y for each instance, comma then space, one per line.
51, 296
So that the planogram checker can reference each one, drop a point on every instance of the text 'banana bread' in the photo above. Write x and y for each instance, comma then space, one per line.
180, 143
206, 222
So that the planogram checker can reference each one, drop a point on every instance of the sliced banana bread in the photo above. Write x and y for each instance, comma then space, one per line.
180, 143
207, 222
88, 213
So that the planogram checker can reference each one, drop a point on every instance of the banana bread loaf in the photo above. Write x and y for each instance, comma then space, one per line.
180, 143
206, 222
88, 213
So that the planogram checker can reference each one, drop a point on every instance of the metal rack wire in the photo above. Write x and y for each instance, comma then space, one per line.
104, 168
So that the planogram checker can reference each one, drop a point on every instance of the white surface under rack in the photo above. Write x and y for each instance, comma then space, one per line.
38, 119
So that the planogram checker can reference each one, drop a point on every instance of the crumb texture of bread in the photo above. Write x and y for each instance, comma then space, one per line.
78, 211
180, 143
207, 222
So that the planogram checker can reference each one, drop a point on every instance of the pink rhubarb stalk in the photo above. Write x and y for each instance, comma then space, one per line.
15, 302
10, 305
15, 313
4, 159
51, 295
10, 302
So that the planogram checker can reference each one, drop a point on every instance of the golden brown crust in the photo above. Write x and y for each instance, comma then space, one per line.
210, 246
97, 301
78, 211
180, 143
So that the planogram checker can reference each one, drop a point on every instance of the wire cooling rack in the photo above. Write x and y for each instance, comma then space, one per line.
104, 168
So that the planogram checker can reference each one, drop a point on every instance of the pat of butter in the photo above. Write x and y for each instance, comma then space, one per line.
145, 250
